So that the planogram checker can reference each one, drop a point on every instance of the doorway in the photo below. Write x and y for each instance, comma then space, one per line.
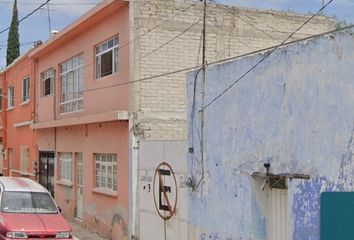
46, 171
278, 218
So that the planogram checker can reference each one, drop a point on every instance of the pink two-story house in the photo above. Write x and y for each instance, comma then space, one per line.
81, 118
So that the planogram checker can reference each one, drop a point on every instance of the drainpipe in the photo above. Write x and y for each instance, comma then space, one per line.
4, 125
134, 146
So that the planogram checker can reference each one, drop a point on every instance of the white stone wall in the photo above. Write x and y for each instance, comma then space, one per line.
160, 103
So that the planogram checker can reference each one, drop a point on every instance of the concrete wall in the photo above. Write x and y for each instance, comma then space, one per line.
295, 110
152, 153
160, 104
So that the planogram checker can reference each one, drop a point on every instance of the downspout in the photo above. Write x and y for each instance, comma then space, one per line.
4, 123
33, 117
55, 118
3, 119
133, 139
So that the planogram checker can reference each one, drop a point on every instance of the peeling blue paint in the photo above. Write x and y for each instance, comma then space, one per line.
295, 110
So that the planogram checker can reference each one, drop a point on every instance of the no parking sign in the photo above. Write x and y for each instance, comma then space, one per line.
165, 191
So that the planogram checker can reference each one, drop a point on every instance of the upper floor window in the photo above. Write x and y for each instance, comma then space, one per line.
25, 89
107, 58
11, 97
71, 81
48, 82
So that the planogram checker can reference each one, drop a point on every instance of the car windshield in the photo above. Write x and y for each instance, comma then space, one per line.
27, 202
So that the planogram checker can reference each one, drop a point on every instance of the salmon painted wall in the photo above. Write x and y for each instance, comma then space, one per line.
107, 214
110, 98
22, 113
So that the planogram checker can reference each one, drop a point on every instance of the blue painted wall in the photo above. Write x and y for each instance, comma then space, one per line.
295, 110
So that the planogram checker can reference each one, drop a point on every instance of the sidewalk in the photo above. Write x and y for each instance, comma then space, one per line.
81, 233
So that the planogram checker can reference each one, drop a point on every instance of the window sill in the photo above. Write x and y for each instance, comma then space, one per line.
48, 95
9, 108
107, 76
67, 113
106, 193
24, 103
65, 184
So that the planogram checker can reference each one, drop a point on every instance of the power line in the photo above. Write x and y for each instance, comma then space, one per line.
28, 15
157, 26
172, 39
265, 57
243, 20
53, 4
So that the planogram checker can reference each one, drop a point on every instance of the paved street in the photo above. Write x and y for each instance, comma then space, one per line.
81, 233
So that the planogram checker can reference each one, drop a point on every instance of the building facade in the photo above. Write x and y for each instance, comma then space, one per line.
104, 119
17, 113
284, 135
82, 118
158, 105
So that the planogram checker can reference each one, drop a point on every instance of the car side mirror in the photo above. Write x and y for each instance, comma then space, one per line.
59, 209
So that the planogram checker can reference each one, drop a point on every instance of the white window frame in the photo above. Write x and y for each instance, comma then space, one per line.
11, 97
103, 48
72, 100
66, 167
25, 89
103, 174
48, 75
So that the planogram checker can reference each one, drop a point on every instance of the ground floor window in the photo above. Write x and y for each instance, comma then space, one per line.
106, 171
66, 166
24, 151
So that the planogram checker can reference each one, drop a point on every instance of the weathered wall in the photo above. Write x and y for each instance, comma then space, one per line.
294, 110
160, 106
152, 153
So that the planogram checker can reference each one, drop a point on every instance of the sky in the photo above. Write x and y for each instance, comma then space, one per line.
63, 12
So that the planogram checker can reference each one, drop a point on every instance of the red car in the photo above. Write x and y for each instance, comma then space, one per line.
29, 212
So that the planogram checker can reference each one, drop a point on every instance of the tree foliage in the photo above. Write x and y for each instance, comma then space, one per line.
13, 41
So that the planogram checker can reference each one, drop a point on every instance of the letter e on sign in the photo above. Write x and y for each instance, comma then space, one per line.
165, 191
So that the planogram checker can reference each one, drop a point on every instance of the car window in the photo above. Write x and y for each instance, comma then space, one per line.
27, 202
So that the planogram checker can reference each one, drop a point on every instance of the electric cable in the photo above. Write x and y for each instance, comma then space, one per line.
265, 57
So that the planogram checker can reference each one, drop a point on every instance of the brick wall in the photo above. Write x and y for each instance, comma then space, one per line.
159, 104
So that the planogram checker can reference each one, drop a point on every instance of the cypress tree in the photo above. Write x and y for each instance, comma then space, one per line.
13, 42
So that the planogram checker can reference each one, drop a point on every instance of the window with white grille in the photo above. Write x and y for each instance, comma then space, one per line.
106, 171
71, 85
107, 57
66, 167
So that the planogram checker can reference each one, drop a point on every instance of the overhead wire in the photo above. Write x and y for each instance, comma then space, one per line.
221, 60
53, 4
27, 16
243, 20
265, 57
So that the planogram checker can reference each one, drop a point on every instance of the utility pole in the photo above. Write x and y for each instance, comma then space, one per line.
49, 21
203, 93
